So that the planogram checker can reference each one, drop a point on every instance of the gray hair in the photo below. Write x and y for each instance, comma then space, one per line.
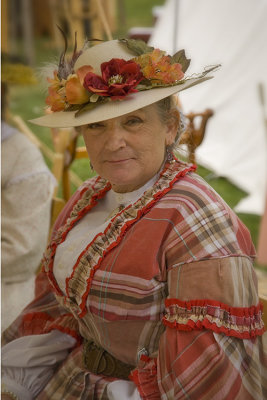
164, 110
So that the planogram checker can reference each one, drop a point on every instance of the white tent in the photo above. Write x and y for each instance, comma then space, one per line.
232, 33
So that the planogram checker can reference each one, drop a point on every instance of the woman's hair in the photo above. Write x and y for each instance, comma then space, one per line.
167, 109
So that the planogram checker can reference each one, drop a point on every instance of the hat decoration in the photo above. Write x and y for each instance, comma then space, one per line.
81, 89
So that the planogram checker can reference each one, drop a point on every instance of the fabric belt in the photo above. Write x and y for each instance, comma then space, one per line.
100, 362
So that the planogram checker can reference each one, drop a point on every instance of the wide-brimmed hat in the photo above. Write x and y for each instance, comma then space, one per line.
111, 79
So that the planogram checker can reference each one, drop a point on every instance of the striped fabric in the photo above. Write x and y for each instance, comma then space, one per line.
169, 286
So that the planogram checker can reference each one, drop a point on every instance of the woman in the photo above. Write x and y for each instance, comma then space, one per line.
147, 289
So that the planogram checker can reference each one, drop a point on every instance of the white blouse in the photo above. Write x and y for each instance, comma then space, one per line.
88, 227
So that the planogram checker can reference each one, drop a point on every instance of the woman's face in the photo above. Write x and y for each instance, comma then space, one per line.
129, 150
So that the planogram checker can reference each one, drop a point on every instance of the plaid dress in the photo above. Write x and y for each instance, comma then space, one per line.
167, 287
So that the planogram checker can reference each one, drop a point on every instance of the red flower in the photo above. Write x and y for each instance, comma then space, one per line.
119, 78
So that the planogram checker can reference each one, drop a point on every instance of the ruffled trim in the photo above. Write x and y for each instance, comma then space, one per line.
240, 322
37, 323
88, 199
78, 284
145, 378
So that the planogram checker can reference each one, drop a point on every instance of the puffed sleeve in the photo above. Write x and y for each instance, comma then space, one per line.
37, 341
213, 343
29, 362
208, 346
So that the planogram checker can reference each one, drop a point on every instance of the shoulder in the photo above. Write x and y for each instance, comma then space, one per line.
192, 189
19, 143
192, 195
204, 220
20, 154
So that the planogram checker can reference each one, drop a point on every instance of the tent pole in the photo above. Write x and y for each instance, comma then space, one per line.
175, 25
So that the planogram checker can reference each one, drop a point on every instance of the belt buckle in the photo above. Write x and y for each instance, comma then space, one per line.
98, 361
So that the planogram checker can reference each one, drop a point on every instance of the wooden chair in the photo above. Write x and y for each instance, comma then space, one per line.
65, 151
65, 142
193, 136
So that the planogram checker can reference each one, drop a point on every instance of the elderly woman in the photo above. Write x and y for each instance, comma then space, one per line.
147, 289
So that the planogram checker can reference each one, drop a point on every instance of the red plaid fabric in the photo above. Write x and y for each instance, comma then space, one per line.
171, 274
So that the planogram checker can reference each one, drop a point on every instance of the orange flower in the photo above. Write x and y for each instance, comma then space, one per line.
75, 91
55, 83
158, 68
82, 71
55, 99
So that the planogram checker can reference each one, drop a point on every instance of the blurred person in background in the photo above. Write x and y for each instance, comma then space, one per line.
148, 289
26, 192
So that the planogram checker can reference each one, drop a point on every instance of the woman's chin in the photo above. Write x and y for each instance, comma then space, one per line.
122, 183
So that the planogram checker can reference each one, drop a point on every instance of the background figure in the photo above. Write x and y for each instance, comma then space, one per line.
27, 187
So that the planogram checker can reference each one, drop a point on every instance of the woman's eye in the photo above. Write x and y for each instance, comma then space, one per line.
96, 125
133, 121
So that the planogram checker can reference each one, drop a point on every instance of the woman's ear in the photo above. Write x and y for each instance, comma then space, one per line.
172, 127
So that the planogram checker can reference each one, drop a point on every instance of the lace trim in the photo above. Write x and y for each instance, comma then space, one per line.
79, 282
240, 322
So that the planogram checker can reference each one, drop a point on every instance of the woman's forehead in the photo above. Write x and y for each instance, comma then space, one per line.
140, 111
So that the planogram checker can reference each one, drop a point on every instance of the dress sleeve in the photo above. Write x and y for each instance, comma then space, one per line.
213, 339
29, 362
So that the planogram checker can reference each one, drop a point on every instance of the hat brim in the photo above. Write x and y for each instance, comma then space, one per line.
94, 56
112, 109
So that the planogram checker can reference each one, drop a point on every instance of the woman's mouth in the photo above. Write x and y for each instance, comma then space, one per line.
121, 161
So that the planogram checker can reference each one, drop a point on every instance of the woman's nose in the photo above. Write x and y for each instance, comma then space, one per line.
116, 138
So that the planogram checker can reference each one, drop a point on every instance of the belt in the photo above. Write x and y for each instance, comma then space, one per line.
100, 362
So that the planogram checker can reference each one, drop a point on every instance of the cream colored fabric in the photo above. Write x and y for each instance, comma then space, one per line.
235, 36
27, 188
29, 362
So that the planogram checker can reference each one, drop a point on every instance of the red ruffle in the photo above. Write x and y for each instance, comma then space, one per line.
34, 323
145, 378
245, 322
37, 323
53, 246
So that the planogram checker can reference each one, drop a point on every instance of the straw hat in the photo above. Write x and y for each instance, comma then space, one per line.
111, 79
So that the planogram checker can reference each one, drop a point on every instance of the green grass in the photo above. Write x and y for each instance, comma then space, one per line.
28, 102
138, 13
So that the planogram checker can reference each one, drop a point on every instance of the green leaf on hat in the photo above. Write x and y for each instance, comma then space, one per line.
137, 46
90, 105
86, 107
181, 58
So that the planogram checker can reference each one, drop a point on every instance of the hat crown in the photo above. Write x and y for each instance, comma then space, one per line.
100, 53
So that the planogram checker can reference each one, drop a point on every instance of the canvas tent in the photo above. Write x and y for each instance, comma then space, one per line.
234, 34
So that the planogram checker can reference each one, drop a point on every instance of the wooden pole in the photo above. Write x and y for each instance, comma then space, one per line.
28, 31
121, 12
103, 19
4, 27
